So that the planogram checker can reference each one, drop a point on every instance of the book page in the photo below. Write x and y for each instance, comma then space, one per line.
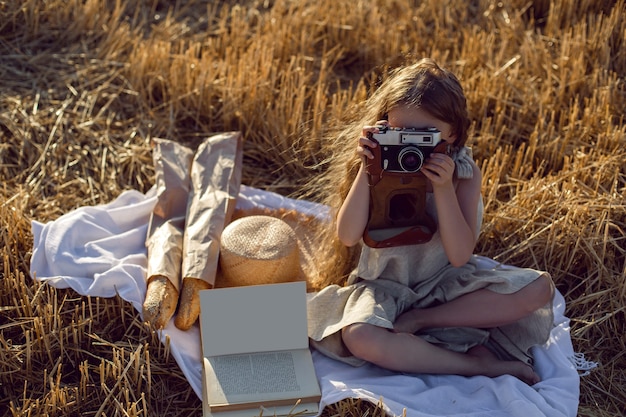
260, 373
261, 377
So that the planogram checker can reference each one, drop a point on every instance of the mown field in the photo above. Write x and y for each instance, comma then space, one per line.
85, 85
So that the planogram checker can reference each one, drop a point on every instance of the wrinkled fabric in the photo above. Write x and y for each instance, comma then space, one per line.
381, 301
463, 162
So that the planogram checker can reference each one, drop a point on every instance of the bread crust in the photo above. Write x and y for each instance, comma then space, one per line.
161, 301
189, 305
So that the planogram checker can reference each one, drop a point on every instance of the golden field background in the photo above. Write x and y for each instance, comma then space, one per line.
85, 85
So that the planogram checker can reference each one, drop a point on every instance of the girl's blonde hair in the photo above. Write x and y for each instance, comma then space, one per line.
424, 85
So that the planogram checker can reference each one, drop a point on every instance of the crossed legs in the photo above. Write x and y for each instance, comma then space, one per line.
400, 350
406, 352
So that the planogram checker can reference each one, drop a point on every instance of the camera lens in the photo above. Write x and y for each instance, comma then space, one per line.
411, 159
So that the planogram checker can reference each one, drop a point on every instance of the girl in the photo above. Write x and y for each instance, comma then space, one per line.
426, 308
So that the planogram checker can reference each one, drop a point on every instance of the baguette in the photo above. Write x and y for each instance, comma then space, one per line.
161, 300
189, 306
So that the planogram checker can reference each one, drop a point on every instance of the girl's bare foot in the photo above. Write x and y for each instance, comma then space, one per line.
524, 372
495, 367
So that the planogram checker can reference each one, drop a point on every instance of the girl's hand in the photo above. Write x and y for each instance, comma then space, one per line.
364, 148
439, 169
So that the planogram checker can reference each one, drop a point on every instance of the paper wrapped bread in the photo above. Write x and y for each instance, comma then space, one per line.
197, 193
165, 231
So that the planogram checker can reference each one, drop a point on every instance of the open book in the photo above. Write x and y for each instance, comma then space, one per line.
256, 357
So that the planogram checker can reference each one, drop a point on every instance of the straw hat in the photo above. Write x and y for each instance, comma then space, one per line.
258, 249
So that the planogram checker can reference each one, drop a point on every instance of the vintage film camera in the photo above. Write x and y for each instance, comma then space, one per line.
405, 150
397, 212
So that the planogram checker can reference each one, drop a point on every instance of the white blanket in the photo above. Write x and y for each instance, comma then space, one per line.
100, 251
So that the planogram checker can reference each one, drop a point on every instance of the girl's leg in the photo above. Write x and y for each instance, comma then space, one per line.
408, 353
480, 309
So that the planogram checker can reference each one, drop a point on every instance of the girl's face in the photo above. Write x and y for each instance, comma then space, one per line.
416, 118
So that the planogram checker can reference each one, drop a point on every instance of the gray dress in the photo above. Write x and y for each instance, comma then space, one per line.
389, 281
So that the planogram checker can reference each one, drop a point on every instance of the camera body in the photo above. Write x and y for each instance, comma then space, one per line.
405, 150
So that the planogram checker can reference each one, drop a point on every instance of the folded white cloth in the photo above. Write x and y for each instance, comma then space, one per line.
100, 251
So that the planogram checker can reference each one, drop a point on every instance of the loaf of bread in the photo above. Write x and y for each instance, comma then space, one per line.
189, 304
161, 300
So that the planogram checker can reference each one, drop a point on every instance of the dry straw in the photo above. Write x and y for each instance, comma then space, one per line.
85, 85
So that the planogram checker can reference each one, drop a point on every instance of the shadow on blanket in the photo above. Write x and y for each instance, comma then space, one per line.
100, 251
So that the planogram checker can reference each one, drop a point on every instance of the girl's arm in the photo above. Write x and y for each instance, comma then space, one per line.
354, 212
457, 207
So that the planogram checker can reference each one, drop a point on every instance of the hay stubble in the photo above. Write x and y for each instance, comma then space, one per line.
86, 85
